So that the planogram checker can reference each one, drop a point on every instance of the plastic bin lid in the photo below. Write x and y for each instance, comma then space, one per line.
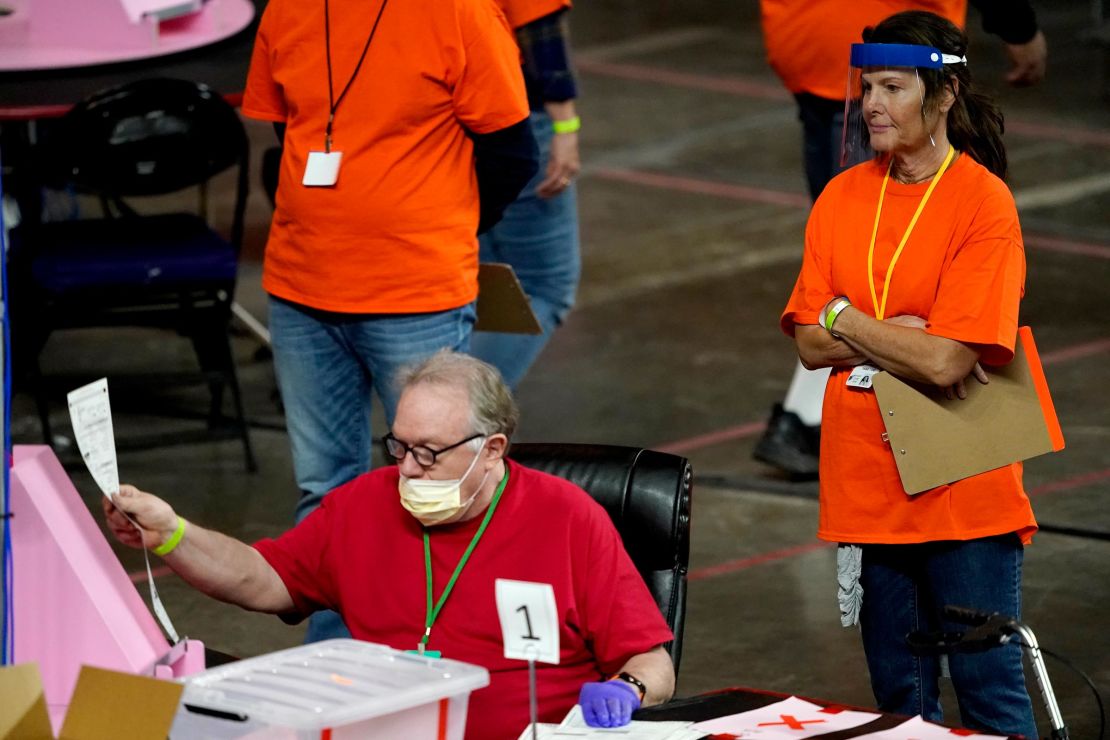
330, 684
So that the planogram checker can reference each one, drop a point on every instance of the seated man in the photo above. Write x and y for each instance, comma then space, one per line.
471, 516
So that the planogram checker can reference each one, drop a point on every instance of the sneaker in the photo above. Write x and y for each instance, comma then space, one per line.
789, 445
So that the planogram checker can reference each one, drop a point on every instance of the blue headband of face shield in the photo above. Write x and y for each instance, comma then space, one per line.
901, 55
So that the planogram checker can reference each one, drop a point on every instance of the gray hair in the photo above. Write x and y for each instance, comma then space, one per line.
492, 408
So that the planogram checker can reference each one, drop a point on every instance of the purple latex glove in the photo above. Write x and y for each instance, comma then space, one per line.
608, 703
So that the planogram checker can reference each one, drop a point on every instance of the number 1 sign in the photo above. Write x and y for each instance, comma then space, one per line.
529, 622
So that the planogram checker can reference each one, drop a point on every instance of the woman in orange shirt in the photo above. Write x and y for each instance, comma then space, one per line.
931, 204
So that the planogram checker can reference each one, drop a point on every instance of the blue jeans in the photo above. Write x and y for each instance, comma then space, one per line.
905, 588
327, 364
822, 130
539, 238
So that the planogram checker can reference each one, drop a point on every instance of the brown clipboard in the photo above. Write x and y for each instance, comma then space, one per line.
502, 304
936, 440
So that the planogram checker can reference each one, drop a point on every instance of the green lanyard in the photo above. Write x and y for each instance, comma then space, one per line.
430, 619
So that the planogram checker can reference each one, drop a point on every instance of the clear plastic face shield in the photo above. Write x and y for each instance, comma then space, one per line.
883, 83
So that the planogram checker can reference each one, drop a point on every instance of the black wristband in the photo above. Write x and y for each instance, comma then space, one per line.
632, 681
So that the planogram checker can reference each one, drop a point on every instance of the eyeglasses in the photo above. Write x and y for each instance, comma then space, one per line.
424, 456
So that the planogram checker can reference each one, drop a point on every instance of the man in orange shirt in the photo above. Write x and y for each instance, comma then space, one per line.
932, 205
405, 133
807, 45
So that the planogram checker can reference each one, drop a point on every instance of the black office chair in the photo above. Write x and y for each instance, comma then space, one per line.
168, 270
647, 495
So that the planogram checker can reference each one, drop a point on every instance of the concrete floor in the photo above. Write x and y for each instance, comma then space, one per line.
693, 206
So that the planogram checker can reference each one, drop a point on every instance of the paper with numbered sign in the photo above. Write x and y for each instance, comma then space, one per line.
919, 729
792, 717
90, 412
529, 620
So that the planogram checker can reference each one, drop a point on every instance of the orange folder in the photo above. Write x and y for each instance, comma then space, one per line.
936, 440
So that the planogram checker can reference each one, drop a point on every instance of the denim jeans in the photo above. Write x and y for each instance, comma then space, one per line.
327, 364
822, 130
539, 238
905, 588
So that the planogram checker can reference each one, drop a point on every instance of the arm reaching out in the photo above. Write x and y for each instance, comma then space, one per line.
214, 564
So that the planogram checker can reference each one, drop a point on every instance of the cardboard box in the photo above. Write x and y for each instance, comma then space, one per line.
106, 705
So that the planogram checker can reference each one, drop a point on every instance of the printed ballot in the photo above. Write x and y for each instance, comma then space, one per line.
91, 415
792, 717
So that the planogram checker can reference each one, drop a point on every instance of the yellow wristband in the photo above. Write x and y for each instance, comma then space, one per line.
175, 539
569, 126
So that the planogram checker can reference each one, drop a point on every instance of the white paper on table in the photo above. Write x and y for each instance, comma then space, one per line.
792, 717
919, 729
574, 725
90, 412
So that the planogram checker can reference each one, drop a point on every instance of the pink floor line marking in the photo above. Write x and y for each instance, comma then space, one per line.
708, 439
732, 566
642, 73
704, 187
752, 88
749, 194
1068, 484
139, 576
1054, 244
1075, 352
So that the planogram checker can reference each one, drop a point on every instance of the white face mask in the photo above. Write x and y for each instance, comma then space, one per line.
435, 501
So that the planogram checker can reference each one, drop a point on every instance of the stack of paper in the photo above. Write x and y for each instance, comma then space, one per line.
574, 727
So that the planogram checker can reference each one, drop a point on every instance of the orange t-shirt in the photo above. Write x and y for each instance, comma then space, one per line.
963, 271
397, 232
809, 41
523, 12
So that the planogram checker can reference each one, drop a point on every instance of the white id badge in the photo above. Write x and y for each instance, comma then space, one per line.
861, 376
322, 169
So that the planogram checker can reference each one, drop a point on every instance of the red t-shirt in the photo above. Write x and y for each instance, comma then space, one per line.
362, 554
809, 41
963, 270
397, 232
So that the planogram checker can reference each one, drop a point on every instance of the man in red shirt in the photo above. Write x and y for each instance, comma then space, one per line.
454, 505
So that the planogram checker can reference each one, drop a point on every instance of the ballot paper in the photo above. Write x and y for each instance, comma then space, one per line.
919, 729
792, 717
91, 415
574, 727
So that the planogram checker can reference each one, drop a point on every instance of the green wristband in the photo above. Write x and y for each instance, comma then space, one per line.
175, 539
569, 126
830, 317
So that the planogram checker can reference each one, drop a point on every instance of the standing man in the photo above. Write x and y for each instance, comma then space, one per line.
405, 132
807, 45
539, 234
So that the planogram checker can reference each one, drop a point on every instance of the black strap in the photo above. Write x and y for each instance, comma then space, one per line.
333, 102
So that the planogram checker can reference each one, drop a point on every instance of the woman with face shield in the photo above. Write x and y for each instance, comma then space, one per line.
914, 264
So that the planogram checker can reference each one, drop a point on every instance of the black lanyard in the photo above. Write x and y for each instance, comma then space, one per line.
333, 103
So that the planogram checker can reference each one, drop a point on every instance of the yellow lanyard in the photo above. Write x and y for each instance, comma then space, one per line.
880, 308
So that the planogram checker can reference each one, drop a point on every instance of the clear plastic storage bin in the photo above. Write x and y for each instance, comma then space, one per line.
330, 690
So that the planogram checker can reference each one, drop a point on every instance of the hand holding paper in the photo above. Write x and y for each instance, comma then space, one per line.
608, 703
156, 518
